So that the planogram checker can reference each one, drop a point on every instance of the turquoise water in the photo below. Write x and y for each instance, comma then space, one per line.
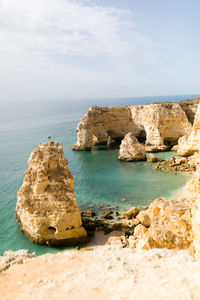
99, 176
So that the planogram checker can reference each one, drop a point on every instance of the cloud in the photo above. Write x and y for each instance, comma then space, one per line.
69, 37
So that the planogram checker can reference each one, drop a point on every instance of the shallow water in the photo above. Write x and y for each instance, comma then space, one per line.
99, 176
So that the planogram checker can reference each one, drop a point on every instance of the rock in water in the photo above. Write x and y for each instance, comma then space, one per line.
46, 208
152, 158
131, 149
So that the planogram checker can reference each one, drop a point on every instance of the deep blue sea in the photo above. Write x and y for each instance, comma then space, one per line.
99, 176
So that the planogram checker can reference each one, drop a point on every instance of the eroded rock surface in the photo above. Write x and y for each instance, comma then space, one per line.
196, 226
106, 272
11, 257
152, 158
156, 125
170, 225
46, 207
131, 149
183, 164
190, 143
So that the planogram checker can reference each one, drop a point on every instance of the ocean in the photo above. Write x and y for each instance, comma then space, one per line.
99, 176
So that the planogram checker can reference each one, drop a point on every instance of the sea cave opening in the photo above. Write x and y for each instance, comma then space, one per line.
142, 136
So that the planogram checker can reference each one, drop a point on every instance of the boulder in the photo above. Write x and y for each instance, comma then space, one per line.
152, 158
144, 218
107, 215
131, 149
170, 225
182, 164
131, 213
46, 207
117, 240
88, 213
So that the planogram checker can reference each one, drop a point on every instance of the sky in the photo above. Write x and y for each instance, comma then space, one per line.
82, 49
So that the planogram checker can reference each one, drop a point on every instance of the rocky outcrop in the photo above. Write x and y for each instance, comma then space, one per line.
131, 149
14, 257
163, 123
180, 164
46, 208
190, 109
156, 125
196, 225
190, 143
104, 272
193, 186
193, 192
100, 124
153, 158
165, 224
131, 213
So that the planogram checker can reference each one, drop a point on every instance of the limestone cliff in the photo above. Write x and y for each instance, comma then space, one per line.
131, 149
46, 208
156, 125
190, 109
100, 123
190, 143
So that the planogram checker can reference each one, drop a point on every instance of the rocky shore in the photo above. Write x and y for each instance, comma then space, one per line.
180, 164
48, 214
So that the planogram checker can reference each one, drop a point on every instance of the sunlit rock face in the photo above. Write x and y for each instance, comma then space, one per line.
46, 207
101, 123
190, 143
193, 192
165, 224
155, 125
196, 226
163, 123
131, 149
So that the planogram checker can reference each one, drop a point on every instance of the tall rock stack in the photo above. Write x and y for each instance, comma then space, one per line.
46, 208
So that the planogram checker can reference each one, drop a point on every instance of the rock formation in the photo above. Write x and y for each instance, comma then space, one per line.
183, 164
196, 226
163, 123
46, 208
104, 272
156, 125
193, 192
190, 108
131, 149
166, 224
190, 143
153, 158
14, 257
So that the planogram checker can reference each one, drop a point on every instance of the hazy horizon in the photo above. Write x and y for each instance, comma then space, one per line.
100, 49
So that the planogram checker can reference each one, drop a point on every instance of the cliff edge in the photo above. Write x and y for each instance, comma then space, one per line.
105, 272
158, 126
